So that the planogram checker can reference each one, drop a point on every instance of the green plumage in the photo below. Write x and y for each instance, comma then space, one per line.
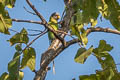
54, 24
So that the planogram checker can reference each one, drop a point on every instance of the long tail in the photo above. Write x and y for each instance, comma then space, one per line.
53, 67
50, 41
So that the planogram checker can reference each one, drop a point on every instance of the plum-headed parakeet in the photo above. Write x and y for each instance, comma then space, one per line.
53, 22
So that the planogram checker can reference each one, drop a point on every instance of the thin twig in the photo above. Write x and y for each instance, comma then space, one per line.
40, 32
28, 34
59, 31
34, 30
29, 11
34, 34
13, 30
37, 13
35, 39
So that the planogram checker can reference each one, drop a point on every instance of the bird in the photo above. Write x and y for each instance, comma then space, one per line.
53, 22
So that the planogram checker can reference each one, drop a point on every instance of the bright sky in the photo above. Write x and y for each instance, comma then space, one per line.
66, 68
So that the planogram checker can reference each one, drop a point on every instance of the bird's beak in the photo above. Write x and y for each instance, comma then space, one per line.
58, 17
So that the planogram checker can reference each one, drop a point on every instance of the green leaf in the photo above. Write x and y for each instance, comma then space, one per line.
5, 21
16, 39
76, 24
110, 9
93, 22
107, 62
108, 74
19, 38
75, 31
21, 75
76, 4
84, 37
78, 18
28, 59
103, 47
103, 8
82, 55
13, 67
18, 47
4, 76
114, 10
89, 11
80, 27
10, 3
104, 58
24, 31
88, 77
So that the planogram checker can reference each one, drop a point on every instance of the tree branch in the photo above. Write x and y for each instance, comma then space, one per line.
28, 21
100, 29
51, 54
37, 13
47, 56
89, 30
45, 22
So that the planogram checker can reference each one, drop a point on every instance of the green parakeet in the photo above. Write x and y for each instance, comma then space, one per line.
53, 22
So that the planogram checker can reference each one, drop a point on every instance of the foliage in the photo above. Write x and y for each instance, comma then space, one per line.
82, 55
16, 65
109, 71
28, 58
86, 12
5, 21
108, 9
19, 38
